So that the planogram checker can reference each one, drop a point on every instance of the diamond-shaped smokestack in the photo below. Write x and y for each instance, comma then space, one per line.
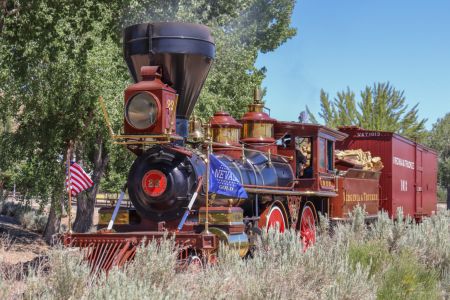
184, 51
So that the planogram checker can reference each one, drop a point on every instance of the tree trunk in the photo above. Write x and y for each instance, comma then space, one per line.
63, 207
2, 192
53, 222
86, 201
6, 13
56, 208
448, 197
85, 212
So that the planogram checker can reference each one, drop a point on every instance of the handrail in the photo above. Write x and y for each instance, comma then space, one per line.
248, 149
291, 193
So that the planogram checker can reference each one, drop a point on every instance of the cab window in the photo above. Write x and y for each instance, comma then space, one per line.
330, 155
303, 147
322, 154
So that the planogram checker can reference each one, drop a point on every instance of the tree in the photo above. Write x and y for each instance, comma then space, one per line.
382, 107
62, 56
241, 30
7, 9
59, 56
439, 139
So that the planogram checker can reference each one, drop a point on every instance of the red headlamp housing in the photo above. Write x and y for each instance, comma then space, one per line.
150, 105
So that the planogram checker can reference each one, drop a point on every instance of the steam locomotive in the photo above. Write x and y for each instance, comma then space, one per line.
288, 169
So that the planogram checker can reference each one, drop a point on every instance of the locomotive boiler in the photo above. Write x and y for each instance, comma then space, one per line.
288, 169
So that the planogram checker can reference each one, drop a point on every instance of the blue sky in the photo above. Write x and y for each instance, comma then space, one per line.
356, 43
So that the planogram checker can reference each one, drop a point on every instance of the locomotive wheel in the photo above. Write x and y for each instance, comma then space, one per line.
195, 263
212, 259
275, 218
307, 227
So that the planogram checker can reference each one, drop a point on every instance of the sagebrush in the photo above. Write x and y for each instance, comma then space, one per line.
29, 217
389, 259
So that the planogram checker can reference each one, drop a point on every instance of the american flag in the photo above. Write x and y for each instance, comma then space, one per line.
79, 180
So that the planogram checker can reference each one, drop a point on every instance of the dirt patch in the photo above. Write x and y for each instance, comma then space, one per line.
18, 245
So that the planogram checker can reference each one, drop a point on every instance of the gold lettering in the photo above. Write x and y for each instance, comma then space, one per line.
360, 197
170, 104
326, 183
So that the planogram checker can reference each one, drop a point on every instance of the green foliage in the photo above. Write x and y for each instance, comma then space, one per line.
241, 30
13, 209
61, 57
372, 255
56, 58
381, 107
439, 139
68, 279
311, 116
406, 278
441, 194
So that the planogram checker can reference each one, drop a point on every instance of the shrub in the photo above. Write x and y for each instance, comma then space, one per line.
31, 220
373, 255
5, 289
6, 241
12, 209
27, 220
68, 278
430, 241
389, 260
442, 194
406, 278
28, 217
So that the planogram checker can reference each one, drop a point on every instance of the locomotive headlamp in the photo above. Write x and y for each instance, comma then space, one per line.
141, 111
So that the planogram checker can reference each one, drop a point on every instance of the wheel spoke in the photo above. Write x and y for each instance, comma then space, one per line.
307, 228
275, 219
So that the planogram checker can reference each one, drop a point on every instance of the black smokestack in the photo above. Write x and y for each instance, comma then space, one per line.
184, 51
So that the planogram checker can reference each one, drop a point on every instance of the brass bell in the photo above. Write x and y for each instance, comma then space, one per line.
195, 130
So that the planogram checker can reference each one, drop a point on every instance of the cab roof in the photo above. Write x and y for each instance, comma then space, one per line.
306, 129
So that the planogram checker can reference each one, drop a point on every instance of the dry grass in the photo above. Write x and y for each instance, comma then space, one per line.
387, 260
6, 241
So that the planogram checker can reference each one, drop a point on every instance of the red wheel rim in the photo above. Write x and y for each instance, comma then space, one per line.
275, 218
307, 228
212, 260
195, 263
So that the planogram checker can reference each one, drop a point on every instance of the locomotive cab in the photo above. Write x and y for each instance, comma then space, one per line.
312, 148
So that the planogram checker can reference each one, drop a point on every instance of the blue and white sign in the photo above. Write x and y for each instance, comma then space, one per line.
223, 181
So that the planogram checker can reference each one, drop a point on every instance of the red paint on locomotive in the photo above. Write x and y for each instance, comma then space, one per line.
409, 176
165, 100
154, 183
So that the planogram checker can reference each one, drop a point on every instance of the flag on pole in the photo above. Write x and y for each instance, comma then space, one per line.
79, 179
223, 181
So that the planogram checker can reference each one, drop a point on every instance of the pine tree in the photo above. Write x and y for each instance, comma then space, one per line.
381, 107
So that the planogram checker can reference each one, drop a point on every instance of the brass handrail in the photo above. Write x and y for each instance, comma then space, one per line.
248, 149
